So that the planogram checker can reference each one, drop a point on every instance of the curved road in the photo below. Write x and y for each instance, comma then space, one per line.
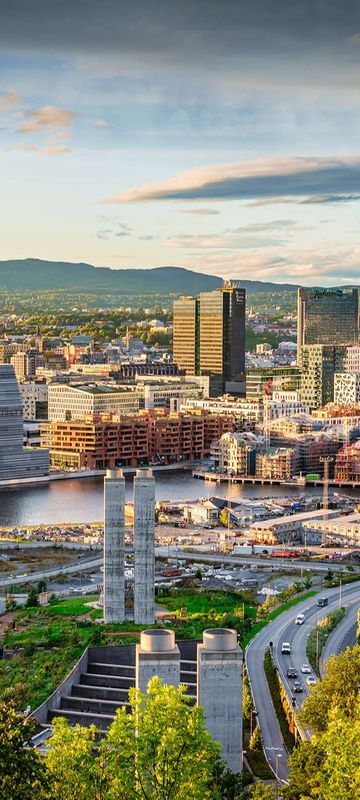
281, 630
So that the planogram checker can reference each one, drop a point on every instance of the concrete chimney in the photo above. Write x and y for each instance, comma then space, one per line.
114, 534
219, 691
144, 547
157, 654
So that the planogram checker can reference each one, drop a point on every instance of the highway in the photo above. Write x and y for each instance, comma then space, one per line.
79, 566
343, 636
283, 629
210, 558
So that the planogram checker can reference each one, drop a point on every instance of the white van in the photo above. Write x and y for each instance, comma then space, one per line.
286, 648
300, 619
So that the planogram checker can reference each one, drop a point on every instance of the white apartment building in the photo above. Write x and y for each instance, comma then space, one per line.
74, 402
34, 398
236, 452
347, 387
242, 409
168, 395
352, 359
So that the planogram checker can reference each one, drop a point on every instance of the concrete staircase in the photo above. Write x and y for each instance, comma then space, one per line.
97, 693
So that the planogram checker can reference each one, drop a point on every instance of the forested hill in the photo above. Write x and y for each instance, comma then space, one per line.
33, 274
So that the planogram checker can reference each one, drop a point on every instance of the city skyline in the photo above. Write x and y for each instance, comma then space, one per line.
221, 138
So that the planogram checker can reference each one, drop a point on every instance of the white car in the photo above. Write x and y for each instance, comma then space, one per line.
305, 669
286, 648
311, 680
300, 619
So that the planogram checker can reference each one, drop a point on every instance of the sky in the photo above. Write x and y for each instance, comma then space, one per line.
218, 136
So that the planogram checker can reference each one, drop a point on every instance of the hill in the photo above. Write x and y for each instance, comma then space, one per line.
32, 274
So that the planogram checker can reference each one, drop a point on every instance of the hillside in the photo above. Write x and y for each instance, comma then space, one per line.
33, 274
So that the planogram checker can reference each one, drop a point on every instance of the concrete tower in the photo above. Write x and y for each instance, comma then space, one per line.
144, 547
219, 691
157, 654
114, 532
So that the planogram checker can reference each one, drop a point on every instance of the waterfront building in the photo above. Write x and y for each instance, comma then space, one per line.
107, 441
236, 453
246, 413
264, 381
74, 402
16, 461
347, 388
347, 464
319, 363
186, 334
277, 463
222, 336
327, 317
34, 398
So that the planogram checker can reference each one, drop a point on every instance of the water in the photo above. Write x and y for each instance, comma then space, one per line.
82, 500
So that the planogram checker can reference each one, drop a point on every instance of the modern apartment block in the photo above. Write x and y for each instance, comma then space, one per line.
319, 363
15, 460
265, 381
347, 388
327, 317
106, 442
209, 335
74, 402
34, 398
277, 464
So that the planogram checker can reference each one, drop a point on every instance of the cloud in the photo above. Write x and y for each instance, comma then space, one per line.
101, 123
271, 178
199, 211
9, 101
46, 119
301, 201
222, 242
55, 150
122, 229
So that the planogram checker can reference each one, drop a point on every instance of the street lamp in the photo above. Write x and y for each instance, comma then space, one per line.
277, 756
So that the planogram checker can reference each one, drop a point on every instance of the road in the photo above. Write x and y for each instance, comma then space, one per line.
79, 566
281, 630
343, 636
210, 558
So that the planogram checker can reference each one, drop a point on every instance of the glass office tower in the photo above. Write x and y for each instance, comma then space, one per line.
328, 317
222, 336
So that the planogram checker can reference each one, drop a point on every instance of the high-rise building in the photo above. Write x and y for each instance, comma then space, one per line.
264, 381
209, 335
327, 317
16, 461
319, 365
186, 333
222, 336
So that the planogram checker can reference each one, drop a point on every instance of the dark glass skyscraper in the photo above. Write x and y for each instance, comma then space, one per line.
209, 335
327, 317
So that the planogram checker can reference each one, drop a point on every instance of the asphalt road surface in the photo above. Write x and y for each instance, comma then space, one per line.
283, 629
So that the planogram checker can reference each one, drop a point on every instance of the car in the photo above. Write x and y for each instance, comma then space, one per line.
292, 672
297, 687
322, 601
311, 680
300, 619
286, 648
305, 669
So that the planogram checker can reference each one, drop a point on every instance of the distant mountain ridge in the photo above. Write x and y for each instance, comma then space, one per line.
33, 274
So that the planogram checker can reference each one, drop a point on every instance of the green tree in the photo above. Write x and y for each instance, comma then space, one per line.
307, 582
329, 577
159, 750
32, 599
261, 792
340, 772
338, 689
255, 742
247, 701
41, 586
22, 769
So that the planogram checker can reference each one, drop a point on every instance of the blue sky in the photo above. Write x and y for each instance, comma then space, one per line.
219, 136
